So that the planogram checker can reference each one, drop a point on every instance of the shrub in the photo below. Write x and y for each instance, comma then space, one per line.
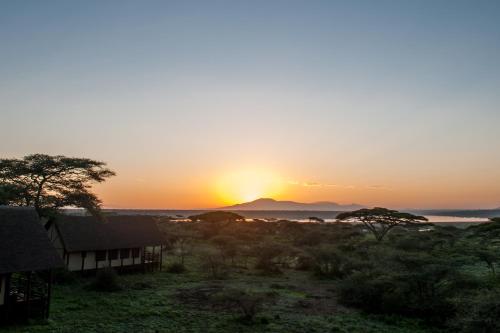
478, 313
305, 262
227, 246
213, 265
248, 304
329, 262
423, 290
176, 268
272, 256
106, 280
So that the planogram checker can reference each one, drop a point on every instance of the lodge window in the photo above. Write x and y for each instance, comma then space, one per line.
113, 254
84, 254
125, 253
136, 252
100, 255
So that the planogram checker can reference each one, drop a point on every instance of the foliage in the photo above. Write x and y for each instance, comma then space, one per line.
489, 230
217, 216
379, 221
213, 264
249, 304
415, 277
176, 268
478, 313
227, 246
51, 182
106, 279
181, 240
272, 257
330, 262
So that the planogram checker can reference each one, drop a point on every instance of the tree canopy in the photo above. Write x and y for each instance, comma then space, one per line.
379, 221
217, 216
51, 182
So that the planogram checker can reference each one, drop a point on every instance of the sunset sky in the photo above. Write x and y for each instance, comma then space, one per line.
200, 104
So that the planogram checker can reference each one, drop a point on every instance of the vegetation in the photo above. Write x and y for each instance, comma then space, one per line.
51, 182
219, 216
297, 277
379, 221
105, 280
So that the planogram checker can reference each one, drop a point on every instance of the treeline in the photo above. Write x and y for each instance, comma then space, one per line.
442, 275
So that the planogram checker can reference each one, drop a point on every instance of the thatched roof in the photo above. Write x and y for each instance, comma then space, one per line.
24, 244
87, 233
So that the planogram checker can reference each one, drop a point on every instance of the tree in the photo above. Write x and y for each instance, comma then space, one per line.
10, 194
379, 221
227, 246
182, 243
51, 182
489, 231
217, 216
316, 219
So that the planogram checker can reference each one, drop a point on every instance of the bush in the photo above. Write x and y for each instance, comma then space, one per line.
330, 262
272, 256
105, 280
248, 304
425, 291
176, 268
478, 313
213, 264
305, 262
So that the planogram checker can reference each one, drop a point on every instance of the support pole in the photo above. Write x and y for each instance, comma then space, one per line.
161, 256
27, 295
49, 294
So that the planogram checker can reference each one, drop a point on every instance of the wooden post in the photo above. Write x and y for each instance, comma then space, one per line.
161, 256
143, 259
153, 259
27, 295
7, 297
84, 255
49, 294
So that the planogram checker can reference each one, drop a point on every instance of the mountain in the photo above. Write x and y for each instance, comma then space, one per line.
271, 204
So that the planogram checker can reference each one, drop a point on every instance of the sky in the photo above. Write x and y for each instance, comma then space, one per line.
199, 104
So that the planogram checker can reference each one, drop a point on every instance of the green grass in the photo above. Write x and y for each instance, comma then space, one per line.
149, 303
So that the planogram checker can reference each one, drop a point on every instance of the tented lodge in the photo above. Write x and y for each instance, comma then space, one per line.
125, 243
27, 258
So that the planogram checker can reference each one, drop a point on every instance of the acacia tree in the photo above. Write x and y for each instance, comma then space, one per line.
379, 221
51, 182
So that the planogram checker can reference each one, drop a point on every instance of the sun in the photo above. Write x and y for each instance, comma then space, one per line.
247, 185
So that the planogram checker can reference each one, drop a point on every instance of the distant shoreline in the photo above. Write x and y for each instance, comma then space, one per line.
465, 216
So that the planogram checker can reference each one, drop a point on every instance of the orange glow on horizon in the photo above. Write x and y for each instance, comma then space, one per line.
247, 185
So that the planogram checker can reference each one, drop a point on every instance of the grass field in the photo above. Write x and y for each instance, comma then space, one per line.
167, 302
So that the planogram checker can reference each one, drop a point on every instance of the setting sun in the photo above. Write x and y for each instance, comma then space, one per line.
247, 185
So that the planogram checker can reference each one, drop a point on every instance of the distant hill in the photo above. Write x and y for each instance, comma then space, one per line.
271, 204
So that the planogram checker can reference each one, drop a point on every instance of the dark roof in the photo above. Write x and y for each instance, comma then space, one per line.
87, 233
24, 244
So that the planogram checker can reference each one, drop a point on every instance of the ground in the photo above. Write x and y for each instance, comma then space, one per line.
168, 302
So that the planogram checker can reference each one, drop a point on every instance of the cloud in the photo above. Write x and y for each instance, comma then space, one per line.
378, 187
318, 184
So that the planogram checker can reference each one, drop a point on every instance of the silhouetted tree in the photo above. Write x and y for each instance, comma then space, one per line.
218, 216
379, 221
51, 182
